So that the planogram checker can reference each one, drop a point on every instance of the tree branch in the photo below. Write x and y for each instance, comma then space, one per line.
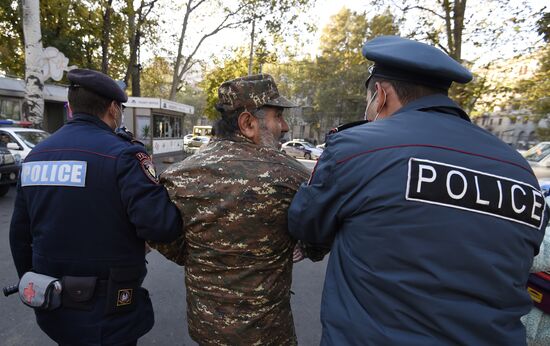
405, 9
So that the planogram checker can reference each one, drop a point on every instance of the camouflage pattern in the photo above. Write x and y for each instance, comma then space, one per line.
251, 92
234, 196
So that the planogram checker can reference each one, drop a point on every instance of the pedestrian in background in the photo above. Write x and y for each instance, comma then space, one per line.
537, 321
86, 202
234, 196
433, 221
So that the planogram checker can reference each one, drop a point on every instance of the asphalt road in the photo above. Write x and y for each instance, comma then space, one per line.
166, 286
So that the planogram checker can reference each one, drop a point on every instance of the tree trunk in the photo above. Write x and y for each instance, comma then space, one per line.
33, 106
106, 31
131, 39
459, 10
177, 66
136, 80
251, 57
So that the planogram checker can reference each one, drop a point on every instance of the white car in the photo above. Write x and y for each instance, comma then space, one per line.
301, 150
198, 141
21, 140
539, 159
187, 139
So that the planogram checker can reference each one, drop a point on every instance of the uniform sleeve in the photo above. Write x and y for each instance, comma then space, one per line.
147, 203
20, 235
313, 214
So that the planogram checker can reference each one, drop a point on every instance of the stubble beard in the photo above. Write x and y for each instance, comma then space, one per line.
267, 139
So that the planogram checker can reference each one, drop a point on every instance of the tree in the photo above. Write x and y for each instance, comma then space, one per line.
139, 22
11, 38
33, 106
230, 68
447, 24
184, 63
329, 87
271, 16
82, 30
157, 78
342, 68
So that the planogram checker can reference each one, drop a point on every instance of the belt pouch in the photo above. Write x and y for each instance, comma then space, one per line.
40, 292
539, 290
78, 292
122, 289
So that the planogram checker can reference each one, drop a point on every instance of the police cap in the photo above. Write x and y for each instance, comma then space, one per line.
250, 92
398, 58
97, 83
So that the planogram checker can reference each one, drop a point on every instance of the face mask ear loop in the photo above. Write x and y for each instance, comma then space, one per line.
377, 114
369, 103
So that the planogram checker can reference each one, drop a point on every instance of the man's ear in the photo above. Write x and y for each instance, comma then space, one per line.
248, 125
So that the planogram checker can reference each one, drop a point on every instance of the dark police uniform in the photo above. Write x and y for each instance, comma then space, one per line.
433, 222
86, 201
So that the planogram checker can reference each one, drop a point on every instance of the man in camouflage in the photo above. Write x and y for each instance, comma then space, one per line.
233, 196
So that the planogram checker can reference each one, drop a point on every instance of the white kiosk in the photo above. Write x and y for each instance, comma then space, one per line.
158, 123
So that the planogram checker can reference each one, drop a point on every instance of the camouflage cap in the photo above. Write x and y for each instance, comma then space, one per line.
250, 92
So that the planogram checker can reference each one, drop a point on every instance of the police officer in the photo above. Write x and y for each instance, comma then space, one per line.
87, 200
433, 221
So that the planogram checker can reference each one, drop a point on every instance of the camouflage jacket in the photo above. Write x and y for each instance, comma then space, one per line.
234, 196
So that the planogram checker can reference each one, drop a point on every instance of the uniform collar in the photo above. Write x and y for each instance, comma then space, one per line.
88, 118
436, 103
235, 138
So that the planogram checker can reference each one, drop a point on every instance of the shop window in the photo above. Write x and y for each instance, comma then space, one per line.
166, 126
143, 127
10, 108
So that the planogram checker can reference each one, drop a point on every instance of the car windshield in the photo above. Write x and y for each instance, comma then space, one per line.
308, 145
538, 152
32, 138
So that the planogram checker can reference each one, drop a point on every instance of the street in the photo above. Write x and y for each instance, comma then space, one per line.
165, 283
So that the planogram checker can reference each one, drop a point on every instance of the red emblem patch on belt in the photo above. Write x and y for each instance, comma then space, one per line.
29, 292
124, 297
147, 166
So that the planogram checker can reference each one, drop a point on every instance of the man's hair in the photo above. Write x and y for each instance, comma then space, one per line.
82, 100
406, 91
228, 124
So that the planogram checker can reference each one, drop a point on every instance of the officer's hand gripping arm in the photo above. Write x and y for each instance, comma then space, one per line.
147, 203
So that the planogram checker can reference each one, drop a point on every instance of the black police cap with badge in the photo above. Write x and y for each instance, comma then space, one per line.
401, 59
98, 83
398, 58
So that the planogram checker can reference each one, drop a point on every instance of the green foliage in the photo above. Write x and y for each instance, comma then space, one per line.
11, 38
73, 27
339, 73
156, 78
236, 66
330, 87
534, 91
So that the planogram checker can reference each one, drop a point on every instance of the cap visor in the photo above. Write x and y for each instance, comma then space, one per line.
282, 102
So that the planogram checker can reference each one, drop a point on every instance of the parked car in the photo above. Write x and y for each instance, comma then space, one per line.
21, 140
9, 170
187, 139
198, 141
539, 159
300, 149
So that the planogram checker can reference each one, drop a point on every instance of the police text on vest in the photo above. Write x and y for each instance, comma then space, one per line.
462, 188
54, 173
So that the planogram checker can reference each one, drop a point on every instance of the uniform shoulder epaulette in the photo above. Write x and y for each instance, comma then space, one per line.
127, 135
347, 126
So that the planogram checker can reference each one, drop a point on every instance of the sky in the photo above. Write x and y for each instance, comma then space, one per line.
320, 14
